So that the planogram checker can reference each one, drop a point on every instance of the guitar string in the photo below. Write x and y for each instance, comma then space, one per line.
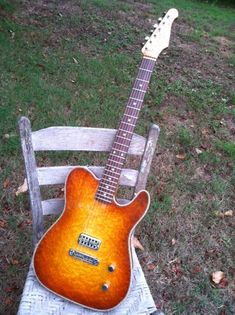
144, 75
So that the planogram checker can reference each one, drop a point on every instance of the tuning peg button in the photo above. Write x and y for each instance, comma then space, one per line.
147, 38
159, 20
164, 13
155, 25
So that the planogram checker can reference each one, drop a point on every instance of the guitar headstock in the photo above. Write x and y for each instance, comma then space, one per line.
159, 40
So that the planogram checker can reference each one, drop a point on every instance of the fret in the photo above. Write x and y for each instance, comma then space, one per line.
138, 90
112, 172
146, 70
107, 185
136, 99
104, 192
103, 199
142, 80
134, 117
110, 176
124, 139
128, 106
125, 130
124, 122
119, 150
114, 162
115, 142
117, 156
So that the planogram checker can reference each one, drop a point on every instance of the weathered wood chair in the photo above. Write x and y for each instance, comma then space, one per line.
35, 298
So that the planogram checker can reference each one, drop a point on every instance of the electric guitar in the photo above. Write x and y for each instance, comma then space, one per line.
85, 256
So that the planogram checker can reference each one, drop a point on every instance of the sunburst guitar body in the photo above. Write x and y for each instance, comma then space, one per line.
101, 278
86, 256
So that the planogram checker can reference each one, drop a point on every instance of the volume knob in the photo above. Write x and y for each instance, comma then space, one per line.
105, 286
111, 268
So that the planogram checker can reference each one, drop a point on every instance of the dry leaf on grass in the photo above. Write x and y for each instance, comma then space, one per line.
181, 156
217, 276
3, 223
136, 243
6, 183
173, 241
198, 151
23, 188
228, 213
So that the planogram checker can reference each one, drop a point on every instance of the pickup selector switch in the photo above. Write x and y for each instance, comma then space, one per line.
111, 268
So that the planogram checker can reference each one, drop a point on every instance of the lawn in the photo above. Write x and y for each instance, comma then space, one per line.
72, 63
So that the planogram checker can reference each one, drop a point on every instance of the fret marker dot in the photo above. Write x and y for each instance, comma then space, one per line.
129, 119
109, 178
112, 169
104, 194
124, 134
141, 85
107, 186
122, 154
134, 103
114, 152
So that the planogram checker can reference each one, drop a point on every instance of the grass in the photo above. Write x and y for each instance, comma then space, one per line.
74, 64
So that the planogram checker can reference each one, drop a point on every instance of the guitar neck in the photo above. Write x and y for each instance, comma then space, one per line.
109, 182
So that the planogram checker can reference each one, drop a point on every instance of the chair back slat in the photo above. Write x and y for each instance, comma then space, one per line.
56, 205
81, 139
57, 175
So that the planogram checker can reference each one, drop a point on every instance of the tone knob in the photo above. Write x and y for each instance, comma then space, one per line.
105, 286
111, 268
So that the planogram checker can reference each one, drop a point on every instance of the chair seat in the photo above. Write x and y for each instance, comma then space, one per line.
36, 300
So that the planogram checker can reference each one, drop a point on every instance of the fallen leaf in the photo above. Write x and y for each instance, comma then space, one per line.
6, 183
75, 60
3, 223
217, 276
14, 262
23, 188
198, 151
228, 213
173, 241
136, 243
181, 156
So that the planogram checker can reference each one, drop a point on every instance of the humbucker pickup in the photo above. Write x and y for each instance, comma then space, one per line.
83, 257
89, 241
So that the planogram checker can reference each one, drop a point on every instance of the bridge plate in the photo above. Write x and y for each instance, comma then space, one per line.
84, 257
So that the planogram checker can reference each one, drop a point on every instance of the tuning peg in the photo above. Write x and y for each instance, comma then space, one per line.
163, 14
147, 38
155, 25
159, 20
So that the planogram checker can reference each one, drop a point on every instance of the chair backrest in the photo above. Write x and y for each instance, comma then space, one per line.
75, 139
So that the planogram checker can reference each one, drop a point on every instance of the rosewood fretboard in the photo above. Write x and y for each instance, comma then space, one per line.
109, 182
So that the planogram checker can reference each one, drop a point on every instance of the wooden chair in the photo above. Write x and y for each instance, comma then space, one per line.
35, 298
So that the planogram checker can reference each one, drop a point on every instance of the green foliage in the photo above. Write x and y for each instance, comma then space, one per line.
185, 137
228, 148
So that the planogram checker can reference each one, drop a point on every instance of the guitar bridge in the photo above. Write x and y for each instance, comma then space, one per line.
83, 257
89, 241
